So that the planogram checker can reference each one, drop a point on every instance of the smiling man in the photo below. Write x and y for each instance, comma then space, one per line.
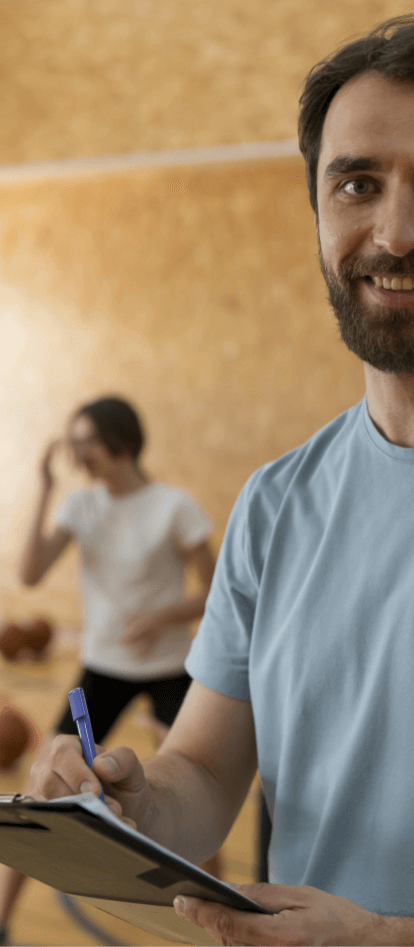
305, 656
365, 219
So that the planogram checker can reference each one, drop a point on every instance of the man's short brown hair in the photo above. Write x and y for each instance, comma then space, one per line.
388, 49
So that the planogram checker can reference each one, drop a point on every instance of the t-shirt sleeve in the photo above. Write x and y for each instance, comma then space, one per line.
219, 655
191, 524
68, 514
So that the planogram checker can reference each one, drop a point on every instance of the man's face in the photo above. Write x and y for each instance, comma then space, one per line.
365, 219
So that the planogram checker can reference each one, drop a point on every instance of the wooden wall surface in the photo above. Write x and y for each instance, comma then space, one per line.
96, 77
194, 292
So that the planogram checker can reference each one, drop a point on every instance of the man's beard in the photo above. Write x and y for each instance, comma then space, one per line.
381, 336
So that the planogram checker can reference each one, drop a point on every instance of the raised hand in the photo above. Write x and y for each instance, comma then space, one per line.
144, 630
46, 473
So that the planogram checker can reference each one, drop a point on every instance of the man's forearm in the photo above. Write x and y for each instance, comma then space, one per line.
187, 811
397, 931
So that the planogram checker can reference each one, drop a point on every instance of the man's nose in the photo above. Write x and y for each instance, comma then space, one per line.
394, 221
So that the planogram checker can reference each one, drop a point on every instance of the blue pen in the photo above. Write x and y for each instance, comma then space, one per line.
81, 717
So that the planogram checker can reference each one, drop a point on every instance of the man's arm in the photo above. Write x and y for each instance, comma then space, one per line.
397, 930
191, 790
209, 757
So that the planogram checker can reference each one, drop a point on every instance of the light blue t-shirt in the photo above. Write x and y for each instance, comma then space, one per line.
311, 617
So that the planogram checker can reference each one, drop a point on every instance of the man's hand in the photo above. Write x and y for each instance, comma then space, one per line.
63, 772
144, 630
300, 915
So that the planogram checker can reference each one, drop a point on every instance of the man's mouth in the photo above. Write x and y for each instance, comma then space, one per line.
397, 284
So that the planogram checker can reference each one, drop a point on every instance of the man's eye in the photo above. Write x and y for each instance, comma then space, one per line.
357, 188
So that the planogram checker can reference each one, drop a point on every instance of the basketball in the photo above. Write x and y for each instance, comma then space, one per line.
12, 639
16, 736
36, 634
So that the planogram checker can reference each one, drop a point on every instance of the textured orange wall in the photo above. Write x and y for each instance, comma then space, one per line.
194, 292
93, 77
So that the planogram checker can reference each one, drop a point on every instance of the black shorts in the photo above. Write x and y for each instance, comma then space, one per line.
107, 697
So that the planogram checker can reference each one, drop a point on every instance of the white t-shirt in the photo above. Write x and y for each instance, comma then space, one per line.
130, 548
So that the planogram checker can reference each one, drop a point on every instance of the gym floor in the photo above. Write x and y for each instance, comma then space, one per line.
39, 690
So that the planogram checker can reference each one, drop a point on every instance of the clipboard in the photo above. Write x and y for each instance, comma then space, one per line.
77, 845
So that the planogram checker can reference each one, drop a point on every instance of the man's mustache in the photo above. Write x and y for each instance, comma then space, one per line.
382, 265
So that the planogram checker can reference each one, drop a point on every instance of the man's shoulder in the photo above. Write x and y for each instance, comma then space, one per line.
275, 477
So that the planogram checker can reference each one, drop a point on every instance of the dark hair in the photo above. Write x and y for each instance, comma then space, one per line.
387, 49
117, 424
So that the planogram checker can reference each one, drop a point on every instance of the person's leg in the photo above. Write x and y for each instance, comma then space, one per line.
11, 881
167, 696
148, 721
106, 698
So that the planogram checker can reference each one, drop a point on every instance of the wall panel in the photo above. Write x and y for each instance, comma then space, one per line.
196, 293
99, 77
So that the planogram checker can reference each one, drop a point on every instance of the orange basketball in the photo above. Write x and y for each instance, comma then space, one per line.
16, 736
37, 633
11, 640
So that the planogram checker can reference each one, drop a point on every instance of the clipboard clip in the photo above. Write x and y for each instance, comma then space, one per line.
10, 797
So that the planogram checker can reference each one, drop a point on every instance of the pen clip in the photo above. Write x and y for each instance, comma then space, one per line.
78, 704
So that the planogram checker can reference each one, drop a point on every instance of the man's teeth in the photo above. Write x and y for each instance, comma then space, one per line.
383, 282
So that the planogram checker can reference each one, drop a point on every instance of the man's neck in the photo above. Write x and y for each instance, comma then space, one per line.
391, 405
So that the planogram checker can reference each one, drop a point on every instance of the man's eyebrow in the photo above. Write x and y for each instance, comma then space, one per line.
345, 164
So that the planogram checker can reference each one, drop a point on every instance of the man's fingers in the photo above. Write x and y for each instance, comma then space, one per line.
300, 915
120, 768
230, 926
116, 808
276, 897
44, 787
64, 772
113, 805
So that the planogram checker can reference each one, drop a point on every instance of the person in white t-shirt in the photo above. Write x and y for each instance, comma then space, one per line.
137, 539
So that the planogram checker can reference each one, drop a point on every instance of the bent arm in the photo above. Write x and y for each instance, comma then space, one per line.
144, 629
190, 792
200, 559
41, 550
